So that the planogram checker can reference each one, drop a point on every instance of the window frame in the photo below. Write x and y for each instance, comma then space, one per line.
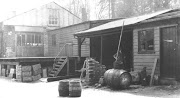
28, 39
146, 51
53, 18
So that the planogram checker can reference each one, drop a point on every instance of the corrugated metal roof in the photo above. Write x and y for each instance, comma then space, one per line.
119, 23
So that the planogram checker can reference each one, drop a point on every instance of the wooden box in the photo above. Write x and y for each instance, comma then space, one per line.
36, 66
27, 79
36, 72
26, 68
37, 77
27, 74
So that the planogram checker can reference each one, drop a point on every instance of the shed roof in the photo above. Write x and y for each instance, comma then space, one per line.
119, 23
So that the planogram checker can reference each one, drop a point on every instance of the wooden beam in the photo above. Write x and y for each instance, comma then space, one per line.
101, 59
79, 47
68, 66
153, 70
9, 63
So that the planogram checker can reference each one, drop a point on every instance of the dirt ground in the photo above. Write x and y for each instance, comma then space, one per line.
42, 89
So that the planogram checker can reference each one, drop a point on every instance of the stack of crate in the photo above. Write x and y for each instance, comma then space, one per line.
18, 73
26, 73
94, 72
36, 70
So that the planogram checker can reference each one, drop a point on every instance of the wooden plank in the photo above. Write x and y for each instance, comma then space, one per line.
145, 57
143, 60
9, 63
152, 74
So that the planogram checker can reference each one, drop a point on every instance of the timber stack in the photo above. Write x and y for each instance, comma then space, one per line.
94, 72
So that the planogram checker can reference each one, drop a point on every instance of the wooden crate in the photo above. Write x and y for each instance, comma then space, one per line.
19, 78
36, 72
26, 68
27, 79
36, 66
27, 74
37, 77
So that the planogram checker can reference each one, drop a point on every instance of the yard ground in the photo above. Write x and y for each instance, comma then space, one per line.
42, 89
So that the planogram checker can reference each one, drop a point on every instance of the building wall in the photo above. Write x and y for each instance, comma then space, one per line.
147, 60
10, 44
66, 35
40, 17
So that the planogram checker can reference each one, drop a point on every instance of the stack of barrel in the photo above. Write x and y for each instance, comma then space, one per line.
94, 72
69, 88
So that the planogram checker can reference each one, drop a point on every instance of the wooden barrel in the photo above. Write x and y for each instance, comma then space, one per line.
75, 88
63, 88
117, 79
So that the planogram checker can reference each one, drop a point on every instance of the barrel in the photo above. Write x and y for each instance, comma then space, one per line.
75, 88
63, 88
117, 78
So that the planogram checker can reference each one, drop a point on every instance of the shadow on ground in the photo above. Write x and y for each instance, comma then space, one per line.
153, 91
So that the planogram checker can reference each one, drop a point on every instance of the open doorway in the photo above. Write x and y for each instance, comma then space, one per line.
109, 48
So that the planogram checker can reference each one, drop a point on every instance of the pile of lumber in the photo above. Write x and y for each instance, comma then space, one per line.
94, 72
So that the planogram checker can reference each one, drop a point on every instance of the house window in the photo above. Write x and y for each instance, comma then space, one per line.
53, 40
29, 40
53, 16
146, 41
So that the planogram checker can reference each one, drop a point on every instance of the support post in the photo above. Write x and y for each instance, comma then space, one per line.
80, 41
67, 66
101, 50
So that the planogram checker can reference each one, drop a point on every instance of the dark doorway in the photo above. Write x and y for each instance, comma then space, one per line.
109, 48
95, 48
169, 59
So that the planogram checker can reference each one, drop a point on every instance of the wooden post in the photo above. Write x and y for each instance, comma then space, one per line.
79, 47
101, 50
153, 70
0, 69
67, 66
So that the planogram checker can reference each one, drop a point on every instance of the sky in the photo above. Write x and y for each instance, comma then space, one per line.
8, 7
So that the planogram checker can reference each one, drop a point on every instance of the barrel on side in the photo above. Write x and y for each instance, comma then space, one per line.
63, 88
75, 88
117, 79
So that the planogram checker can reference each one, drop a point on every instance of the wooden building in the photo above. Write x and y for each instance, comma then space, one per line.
50, 16
63, 38
144, 39
23, 36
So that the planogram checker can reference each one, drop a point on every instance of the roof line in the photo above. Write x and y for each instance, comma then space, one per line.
66, 10
36, 8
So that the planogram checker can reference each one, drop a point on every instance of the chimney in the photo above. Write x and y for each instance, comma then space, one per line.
84, 14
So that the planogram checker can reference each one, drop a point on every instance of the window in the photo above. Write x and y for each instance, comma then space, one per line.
29, 40
53, 16
53, 40
146, 41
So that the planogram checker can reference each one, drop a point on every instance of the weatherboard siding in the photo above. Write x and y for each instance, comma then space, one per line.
145, 60
66, 35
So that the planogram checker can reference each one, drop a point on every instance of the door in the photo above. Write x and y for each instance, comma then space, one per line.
169, 56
